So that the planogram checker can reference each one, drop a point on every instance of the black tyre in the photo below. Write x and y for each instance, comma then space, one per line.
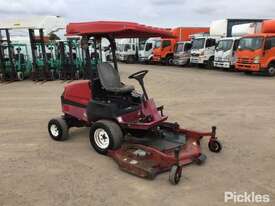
215, 146
271, 70
77, 75
169, 60
105, 135
130, 60
52, 73
210, 64
58, 129
175, 174
20, 76
248, 72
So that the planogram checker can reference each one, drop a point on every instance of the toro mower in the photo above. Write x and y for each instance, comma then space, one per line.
124, 124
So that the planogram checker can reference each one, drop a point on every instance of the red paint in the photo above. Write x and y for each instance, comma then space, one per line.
117, 29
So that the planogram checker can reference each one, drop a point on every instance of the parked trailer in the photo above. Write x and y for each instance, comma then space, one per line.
203, 50
164, 52
256, 52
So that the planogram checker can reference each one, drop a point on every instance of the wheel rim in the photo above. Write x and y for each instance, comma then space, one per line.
170, 61
271, 70
54, 130
101, 138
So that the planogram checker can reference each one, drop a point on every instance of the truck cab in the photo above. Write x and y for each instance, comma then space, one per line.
182, 53
203, 50
128, 50
256, 53
225, 52
145, 55
163, 52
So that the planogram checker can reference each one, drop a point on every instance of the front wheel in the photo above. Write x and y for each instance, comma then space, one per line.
58, 129
105, 135
271, 70
169, 60
210, 64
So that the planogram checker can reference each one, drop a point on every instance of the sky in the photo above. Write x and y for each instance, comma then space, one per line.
162, 13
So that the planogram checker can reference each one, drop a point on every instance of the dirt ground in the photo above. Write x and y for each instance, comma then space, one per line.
36, 170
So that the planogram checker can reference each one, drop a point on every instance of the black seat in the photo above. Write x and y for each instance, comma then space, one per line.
110, 79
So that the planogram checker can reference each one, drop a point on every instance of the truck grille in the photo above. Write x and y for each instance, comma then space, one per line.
245, 61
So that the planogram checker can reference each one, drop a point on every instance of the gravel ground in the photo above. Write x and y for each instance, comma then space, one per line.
36, 170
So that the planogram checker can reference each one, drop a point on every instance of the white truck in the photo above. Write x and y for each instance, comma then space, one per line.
203, 47
182, 53
145, 55
226, 48
128, 50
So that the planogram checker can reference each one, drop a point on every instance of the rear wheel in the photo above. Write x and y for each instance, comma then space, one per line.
58, 129
271, 70
105, 135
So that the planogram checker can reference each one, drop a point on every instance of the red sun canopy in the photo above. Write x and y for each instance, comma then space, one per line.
116, 29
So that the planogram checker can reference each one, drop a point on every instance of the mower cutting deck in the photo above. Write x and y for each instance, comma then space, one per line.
124, 124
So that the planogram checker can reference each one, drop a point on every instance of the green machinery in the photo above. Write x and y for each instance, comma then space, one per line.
15, 63
70, 58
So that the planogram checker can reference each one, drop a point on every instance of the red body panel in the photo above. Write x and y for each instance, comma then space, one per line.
158, 161
78, 91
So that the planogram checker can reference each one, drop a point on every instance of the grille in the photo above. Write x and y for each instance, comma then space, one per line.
245, 60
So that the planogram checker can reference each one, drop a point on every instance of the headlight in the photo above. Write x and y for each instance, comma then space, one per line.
257, 60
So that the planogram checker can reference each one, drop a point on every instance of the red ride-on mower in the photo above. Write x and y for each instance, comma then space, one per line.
124, 124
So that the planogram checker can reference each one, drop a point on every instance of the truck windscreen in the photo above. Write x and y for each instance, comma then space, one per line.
250, 43
158, 44
179, 48
224, 45
198, 43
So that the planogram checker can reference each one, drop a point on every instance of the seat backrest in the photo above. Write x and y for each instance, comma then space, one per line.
108, 75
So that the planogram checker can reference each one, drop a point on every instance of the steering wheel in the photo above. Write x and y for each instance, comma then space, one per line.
138, 75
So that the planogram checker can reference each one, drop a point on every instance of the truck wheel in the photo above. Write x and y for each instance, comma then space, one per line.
58, 129
210, 64
271, 70
169, 60
105, 135
130, 60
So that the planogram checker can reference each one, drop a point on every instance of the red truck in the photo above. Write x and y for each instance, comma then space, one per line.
163, 52
256, 52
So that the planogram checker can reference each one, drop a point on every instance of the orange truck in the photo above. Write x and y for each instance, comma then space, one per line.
256, 52
164, 49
